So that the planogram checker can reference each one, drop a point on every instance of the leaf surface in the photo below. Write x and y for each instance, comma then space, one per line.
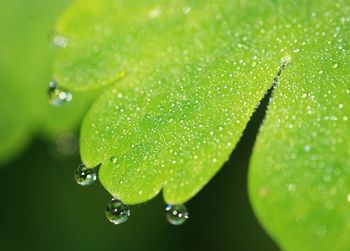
299, 173
178, 114
183, 79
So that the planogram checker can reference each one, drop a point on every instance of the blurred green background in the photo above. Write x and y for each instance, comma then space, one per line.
43, 209
41, 206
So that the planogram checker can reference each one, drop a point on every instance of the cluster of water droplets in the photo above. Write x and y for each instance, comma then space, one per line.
116, 211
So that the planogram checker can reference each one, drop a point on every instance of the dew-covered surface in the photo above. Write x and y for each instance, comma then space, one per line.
300, 170
185, 79
175, 120
25, 72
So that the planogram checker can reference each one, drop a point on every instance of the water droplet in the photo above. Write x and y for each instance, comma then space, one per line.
84, 175
117, 212
176, 214
286, 60
58, 96
335, 64
154, 13
291, 187
348, 197
60, 41
307, 148
114, 160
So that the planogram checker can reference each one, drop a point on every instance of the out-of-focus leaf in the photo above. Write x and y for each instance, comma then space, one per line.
25, 71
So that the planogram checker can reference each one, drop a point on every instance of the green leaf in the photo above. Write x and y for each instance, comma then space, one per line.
193, 73
299, 176
25, 71
192, 95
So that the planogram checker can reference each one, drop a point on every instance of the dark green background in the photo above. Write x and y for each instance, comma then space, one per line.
43, 209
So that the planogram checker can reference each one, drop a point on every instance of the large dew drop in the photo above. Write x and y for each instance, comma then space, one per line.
58, 96
117, 212
176, 214
84, 175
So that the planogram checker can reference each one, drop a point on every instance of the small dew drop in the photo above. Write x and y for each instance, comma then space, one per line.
296, 50
335, 64
114, 160
348, 197
176, 214
291, 187
58, 96
84, 175
117, 212
307, 148
60, 41
154, 13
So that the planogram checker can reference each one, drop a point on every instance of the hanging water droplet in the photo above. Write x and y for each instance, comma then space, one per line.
58, 96
335, 64
114, 160
117, 212
60, 41
176, 214
84, 175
